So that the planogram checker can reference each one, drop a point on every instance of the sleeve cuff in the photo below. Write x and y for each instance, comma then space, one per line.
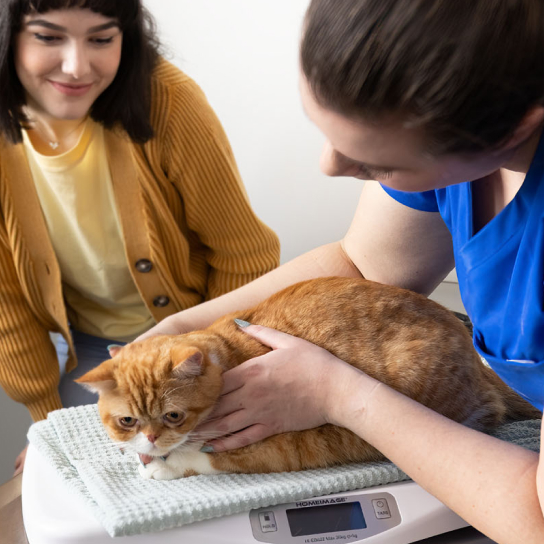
39, 409
424, 201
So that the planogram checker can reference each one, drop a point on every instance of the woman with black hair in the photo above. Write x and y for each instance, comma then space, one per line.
442, 102
121, 203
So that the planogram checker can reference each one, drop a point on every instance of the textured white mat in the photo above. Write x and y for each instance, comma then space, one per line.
75, 443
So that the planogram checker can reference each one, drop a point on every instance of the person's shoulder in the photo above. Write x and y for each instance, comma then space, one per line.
170, 84
168, 75
177, 99
173, 88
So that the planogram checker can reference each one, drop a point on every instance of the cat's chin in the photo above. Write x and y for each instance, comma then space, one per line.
147, 457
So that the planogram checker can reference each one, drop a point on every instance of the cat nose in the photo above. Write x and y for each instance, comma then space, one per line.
152, 438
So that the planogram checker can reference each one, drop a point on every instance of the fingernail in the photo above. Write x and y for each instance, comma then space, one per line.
113, 346
206, 449
242, 323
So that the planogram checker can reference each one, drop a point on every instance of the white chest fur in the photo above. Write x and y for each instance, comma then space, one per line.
177, 465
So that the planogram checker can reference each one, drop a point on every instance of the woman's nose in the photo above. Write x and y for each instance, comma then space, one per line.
76, 61
331, 162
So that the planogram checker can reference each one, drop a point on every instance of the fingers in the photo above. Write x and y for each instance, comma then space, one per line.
221, 425
232, 380
235, 378
114, 349
228, 404
20, 462
269, 337
166, 326
240, 439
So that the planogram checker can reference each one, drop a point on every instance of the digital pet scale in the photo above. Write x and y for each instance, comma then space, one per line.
400, 513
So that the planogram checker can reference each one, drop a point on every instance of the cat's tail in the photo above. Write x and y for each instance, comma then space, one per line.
517, 408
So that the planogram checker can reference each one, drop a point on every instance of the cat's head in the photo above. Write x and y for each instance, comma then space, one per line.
152, 394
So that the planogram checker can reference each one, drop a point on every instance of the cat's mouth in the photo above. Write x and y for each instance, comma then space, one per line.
148, 452
146, 459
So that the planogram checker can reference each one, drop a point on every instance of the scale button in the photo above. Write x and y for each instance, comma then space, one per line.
381, 508
268, 522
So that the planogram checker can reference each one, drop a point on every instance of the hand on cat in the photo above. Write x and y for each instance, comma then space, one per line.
169, 325
291, 388
20, 462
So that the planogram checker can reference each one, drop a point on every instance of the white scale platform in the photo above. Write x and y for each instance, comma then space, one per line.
401, 513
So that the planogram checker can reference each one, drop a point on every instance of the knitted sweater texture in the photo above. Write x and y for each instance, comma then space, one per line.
183, 210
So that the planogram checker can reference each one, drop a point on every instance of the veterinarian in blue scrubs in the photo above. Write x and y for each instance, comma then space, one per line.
441, 102
501, 275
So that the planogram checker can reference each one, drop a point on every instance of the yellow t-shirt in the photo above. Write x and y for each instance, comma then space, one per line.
76, 196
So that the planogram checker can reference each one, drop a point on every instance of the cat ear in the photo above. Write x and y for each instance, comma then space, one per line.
188, 363
99, 379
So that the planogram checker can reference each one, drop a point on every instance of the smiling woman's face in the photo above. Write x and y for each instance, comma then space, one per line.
65, 59
390, 152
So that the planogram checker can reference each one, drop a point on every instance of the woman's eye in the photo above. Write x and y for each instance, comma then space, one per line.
174, 417
383, 175
128, 422
102, 41
47, 38
374, 174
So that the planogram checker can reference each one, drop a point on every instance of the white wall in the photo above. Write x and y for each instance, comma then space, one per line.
243, 53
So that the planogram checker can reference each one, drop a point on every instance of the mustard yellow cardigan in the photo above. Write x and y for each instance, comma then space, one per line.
186, 220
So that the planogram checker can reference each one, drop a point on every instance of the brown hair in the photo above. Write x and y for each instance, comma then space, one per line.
467, 71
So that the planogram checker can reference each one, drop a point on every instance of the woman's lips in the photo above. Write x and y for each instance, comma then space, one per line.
71, 90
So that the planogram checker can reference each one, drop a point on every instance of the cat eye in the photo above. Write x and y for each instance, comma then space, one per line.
174, 417
128, 422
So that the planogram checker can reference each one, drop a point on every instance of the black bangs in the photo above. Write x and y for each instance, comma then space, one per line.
125, 103
125, 12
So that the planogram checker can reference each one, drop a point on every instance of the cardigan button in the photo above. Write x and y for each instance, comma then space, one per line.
144, 266
161, 301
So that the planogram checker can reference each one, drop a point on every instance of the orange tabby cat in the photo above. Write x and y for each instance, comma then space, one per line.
154, 393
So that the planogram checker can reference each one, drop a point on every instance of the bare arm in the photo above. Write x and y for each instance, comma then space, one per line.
328, 260
493, 485
396, 245
386, 242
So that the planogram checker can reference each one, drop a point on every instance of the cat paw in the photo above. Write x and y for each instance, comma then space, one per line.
194, 462
164, 473
191, 463
178, 465
157, 470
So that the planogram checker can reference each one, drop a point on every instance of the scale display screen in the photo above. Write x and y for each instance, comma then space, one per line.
326, 519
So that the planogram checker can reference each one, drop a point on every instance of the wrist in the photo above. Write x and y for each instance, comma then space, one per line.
348, 399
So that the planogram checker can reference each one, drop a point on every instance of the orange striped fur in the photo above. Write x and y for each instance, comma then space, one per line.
401, 338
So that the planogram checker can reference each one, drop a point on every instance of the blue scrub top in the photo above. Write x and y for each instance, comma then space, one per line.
501, 275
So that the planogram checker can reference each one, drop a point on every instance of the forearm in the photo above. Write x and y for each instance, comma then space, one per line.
328, 260
490, 483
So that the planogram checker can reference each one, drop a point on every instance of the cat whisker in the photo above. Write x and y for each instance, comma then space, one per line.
213, 418
169, 393
209, 435
205, 434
